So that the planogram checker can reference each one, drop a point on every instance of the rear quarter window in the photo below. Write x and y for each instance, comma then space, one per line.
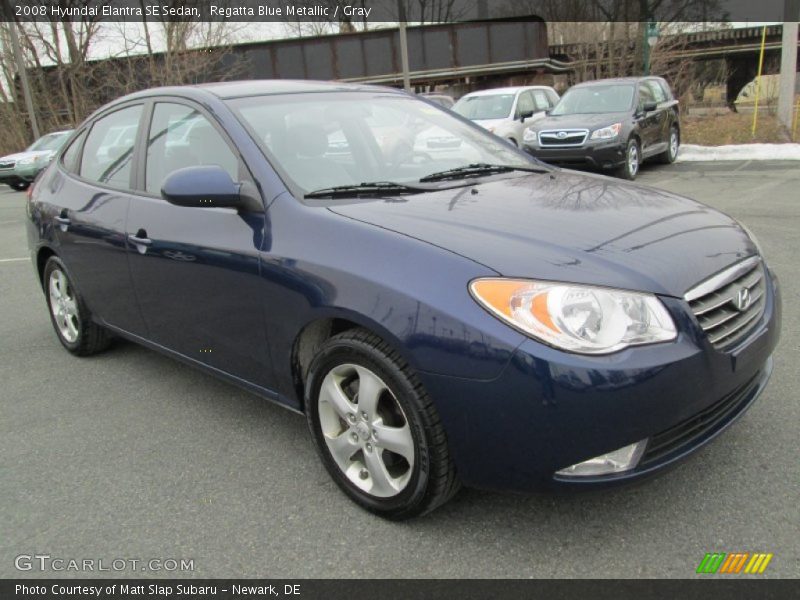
70, 159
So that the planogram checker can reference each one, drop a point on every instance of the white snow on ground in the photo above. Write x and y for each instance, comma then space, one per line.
692, 152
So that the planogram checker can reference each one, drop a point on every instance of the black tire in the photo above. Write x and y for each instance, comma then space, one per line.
432, 480
91, 338
20, 186
671, 153
628, 170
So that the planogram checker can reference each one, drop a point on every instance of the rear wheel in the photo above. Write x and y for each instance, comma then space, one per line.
375, 428
671, 153
20, 186
630, 168
68, 313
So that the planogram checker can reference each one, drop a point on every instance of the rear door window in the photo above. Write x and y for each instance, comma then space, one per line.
108, 152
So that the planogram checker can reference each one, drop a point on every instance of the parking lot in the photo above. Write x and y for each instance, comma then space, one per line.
130, 454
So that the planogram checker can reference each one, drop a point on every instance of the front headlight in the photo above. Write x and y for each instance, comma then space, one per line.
529, 135
578, 318
607, 133
28, 160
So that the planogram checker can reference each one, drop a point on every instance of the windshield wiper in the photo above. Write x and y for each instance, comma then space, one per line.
478, 170
371, 190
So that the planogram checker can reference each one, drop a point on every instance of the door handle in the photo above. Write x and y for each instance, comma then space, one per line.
143, 241
63, 220
140, 238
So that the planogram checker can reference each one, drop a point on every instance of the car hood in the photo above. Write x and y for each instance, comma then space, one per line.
570, 227
590, 122
20, 155
487, 123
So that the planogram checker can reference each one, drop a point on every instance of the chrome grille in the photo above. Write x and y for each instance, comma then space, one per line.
7, 165
557, 138
729, 304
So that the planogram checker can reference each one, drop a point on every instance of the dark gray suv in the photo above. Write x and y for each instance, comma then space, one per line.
610, 124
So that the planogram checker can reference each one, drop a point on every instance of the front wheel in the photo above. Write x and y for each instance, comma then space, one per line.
630, 168
376, 429
20, 186
69, 314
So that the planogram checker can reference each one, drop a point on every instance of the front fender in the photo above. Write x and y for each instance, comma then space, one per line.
412, 294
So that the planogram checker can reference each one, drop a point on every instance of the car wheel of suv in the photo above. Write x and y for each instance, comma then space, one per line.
630, 168
671, 153
69, 315
376, 429
20, 186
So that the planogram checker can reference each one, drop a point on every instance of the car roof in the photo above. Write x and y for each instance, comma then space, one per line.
507, 90
244, 88
259, 87
613, 80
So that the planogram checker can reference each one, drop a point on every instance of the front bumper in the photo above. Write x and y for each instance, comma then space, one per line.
10, 177
28, 173
550, 409
599, 154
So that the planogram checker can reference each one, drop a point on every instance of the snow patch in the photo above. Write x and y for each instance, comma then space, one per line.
692, 152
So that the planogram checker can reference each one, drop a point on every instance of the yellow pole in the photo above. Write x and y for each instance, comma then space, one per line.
758, 79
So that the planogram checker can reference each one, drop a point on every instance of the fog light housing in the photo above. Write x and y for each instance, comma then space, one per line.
618, 461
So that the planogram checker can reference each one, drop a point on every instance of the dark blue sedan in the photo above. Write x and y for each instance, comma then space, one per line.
443, 308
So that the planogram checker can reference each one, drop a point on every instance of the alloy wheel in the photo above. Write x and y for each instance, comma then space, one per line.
366, 431
673, 144
64, 306
633, 160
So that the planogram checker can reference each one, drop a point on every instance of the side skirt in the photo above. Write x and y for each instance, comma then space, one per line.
263, 392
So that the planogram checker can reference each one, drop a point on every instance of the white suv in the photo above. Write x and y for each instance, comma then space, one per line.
508, 111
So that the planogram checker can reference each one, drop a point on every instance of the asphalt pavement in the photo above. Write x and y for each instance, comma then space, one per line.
131, 455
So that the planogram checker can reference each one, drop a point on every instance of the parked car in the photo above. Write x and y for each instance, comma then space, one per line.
611, 124
507, 112
18, 170
442, 100
485, 320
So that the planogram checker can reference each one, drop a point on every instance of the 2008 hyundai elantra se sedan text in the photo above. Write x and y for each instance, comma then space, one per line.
442, 316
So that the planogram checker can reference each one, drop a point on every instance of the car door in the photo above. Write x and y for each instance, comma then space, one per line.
525, 106
647, 120
662, 117
94, 197
196, 270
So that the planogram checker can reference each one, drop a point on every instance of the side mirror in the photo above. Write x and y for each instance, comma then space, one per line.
201, 187
650, 106
525, 115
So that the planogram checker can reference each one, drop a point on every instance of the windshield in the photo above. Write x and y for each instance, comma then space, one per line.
51, 141
595, 99
485, 106
325, 140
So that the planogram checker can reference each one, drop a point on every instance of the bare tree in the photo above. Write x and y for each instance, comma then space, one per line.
70, 77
